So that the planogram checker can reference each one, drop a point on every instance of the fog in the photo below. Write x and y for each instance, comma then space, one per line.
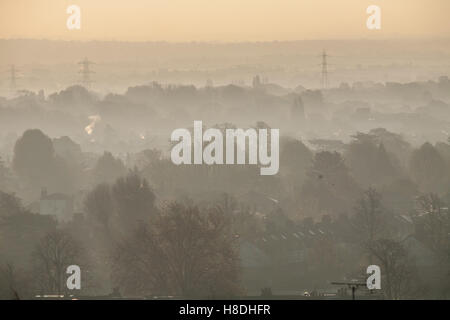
86, 176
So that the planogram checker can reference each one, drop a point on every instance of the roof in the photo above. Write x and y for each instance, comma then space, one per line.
56, 196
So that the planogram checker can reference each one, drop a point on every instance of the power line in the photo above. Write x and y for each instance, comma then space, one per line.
352, 285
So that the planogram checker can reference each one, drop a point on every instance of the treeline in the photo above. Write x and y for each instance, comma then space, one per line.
142, 226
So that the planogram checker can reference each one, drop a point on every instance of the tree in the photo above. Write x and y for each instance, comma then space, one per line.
8, 282
99, 205
158, 170
297, 111
6, 179
433, 224
20, 230
33, 158
14, 282
35, 163
428, 169
397, 269
313, 99
370, 218
329, 188
399, 195
243, 222
134, 199
9, 205
108, 168
55, 252
185, 252
296, 159
396, 146
369, 161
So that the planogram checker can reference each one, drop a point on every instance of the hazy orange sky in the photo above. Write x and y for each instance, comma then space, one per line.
222, 20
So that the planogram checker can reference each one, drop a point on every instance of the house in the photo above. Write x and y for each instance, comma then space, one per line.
58, 205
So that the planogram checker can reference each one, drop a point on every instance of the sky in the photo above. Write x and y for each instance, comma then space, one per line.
223, 20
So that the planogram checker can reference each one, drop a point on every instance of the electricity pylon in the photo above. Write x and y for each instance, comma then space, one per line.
13, 77
324, 64
86, 72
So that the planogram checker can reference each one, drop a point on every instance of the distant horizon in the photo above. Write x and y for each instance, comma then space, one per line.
120, 64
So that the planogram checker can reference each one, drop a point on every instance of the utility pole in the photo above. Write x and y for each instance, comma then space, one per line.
86, 72
352, 285
324, 65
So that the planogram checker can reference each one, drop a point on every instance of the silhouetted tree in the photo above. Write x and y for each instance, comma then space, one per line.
397, 269
297, 111
134, 199
329, 188
36, 164
10, 282
433, 225
54, 253
99, 205
6, 178
369, 161
9, 205
34, 158
428, 169
185, 252
20, 230
399, 195
108, 168
394, 143
296, 159
370, 218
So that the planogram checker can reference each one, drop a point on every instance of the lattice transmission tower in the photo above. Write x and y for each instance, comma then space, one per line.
13, 77
324, 64
86, 72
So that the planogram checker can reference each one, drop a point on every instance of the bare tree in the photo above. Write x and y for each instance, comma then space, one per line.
433, 224
185, 252
56, 251
397, 268
8, 282
370, 216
